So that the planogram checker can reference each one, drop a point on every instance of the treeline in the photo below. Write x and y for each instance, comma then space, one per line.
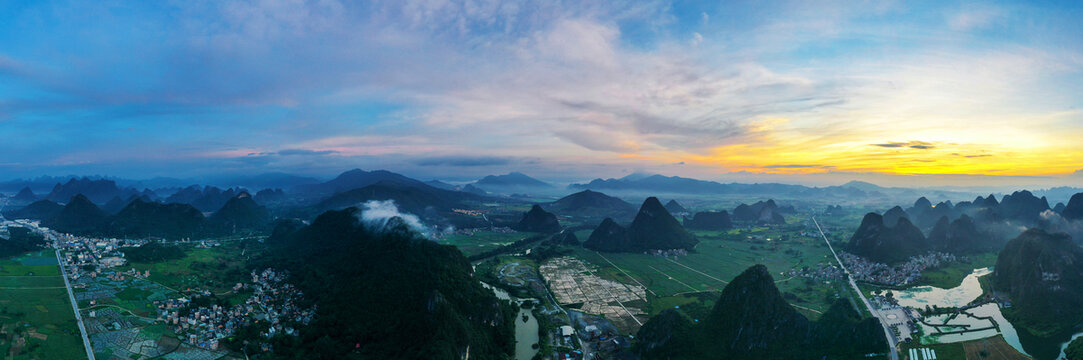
20, 240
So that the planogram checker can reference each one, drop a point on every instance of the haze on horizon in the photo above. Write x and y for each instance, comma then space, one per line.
919, 93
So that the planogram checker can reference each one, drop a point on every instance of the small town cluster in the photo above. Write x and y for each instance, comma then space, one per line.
273, 301
900, 275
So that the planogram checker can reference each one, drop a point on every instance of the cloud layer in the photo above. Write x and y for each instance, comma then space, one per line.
577, 88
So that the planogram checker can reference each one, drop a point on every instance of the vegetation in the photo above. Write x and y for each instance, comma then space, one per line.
35, 311
952, 275
384, 295
1075, 349
20, 240
752, 320
153, 252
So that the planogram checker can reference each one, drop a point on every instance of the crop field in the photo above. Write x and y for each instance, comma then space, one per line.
715, 262
217, 269
36, 318
482, 240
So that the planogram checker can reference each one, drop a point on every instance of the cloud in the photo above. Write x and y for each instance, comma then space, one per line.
464, 161
306, 152
910, 144
974, 17
797, 166
378, 215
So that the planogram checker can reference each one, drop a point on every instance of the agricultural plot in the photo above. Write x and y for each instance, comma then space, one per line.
716, 261
573, 282
216, 269
36, 318
484, 240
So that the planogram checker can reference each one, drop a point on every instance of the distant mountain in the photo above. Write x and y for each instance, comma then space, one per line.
675, 208
471, 189
1074, 209
863, 186
538, 220
959, 237
610, 237
655, 183
97, 191
589, 203
79, 216
114, 205
709, 220
751, 320
887, 244
511, 180
38, 210
270, 196
1022, 206
439, 310
441, 185
1043, 274
1059, 208
892, 216
762, 212
653, 228
356, 179
265, 180
206, 199
153, 219
241, 213
410, 197
25, 196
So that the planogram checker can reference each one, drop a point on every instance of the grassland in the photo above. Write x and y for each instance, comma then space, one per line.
36, 318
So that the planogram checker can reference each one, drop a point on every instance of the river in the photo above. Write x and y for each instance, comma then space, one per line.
967, 291
526, 332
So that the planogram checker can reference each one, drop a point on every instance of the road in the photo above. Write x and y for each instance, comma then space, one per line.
74, 305
883, 322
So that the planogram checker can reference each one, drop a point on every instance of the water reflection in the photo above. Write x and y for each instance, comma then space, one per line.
526, 332
969, 290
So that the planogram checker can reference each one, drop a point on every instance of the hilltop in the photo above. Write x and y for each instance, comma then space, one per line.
751, 320
438, 311
653, 228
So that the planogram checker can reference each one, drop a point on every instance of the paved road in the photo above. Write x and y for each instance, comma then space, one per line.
883, 322
74, 305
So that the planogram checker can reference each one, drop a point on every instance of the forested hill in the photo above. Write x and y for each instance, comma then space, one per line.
389, 295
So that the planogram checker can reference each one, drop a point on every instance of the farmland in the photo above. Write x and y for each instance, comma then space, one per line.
36, 318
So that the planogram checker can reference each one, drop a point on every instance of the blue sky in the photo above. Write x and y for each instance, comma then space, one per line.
802, 91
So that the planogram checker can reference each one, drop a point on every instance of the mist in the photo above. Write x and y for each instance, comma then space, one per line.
377, 215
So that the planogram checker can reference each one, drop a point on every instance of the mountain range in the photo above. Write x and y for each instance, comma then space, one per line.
652, 228
1043, 275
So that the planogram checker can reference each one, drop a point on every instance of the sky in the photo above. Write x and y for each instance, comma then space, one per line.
820, 92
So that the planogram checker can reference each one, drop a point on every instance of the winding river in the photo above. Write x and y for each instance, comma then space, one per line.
526, 332
967, 291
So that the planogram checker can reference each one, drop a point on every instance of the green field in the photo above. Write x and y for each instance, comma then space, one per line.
217, 269
719, 258
482, 241
36, 317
